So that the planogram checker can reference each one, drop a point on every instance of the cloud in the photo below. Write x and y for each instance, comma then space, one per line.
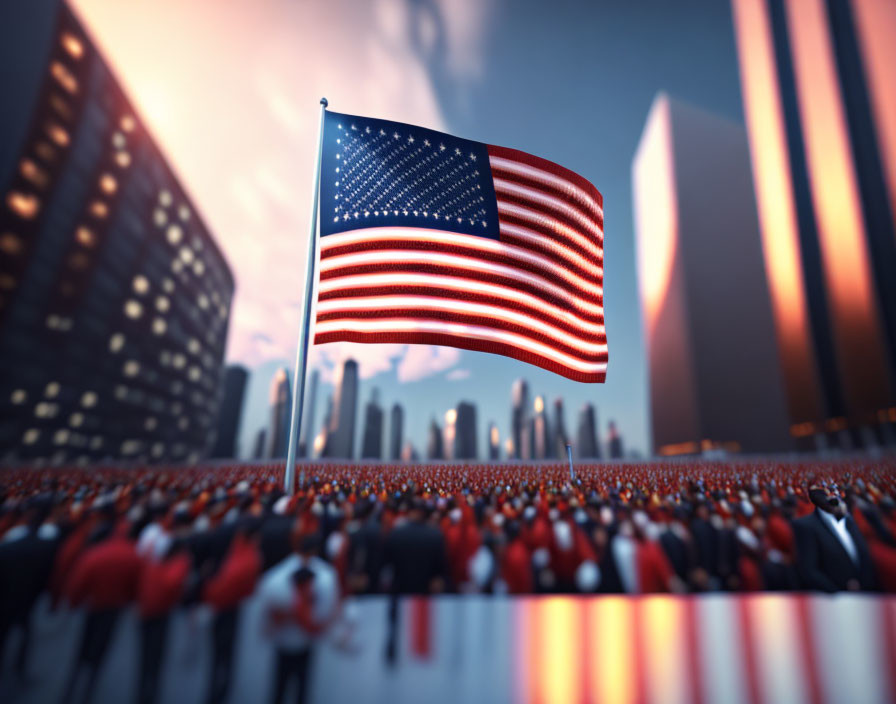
424, 360
458, 374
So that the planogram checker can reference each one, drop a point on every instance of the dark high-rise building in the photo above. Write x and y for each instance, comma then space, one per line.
587, 446
114, 296
235, 377
614, 442
396, 424
560, 438
465, 432
305, 449
372, 435
261, 444
541, 432
715, 379
434, 445
281, 408
820, 109
519, 417
494, 442
341, 435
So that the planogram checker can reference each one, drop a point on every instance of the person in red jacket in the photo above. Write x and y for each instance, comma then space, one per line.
516, 567
104, 580
160, 589
233, 582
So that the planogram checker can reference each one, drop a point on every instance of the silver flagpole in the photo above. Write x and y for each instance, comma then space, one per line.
298, 386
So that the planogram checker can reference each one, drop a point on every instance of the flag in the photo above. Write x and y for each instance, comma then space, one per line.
427, 238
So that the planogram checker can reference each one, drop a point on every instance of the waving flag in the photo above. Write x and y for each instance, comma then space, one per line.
428, 238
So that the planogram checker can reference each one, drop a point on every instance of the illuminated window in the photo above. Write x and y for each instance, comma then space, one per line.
121, 392
118, 140
108, 184
184, 213
177, 266
19, 396
165, 198
52, 389
150, 423
61, 436
167, 285
202, 300
88, 399
25, 205
64, 76
33, 172
132, 308
72, 45
85, 236
163, 304
130, 447
59, 105
159, 217
45, 409
141, 284
58, 134
45, 150
53, 322
180, 361
186, 254
198, 267
131, 368
96, 442
76, 420
175, 234
223, 312
31, 436
159, 326
193, 345
128, 123
10, 244
123, 159
157, 449
193, 374
99, 209
116, 342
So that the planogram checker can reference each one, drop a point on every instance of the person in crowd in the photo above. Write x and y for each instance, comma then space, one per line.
299, 601
832, 554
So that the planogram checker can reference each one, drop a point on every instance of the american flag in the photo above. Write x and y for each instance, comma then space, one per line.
427, 238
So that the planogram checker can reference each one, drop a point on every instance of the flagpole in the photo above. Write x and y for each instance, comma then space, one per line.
298, 386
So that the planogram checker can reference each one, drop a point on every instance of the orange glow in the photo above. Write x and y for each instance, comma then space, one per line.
539, 404
85, 236
123, 159
836, 202
801, 430
45, 150
10, 244
663, 638
99, 209
495, 437
128, 123
876, 27
64, 77
774, 198
609, 626
58, 134
33, 172
681, 448
656, 209
108, 184
25, 205
72, 45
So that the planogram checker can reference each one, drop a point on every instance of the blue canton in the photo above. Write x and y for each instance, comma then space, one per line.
377, 173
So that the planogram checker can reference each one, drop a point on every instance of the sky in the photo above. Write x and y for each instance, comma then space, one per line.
230, 89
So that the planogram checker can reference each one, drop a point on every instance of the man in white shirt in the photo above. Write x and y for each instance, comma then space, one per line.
299, 600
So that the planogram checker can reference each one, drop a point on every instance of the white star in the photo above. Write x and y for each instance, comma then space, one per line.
425, 142
472, 156
457, 151
382, 133
396, 135
483, 223
367, 129
410, 139
441, 147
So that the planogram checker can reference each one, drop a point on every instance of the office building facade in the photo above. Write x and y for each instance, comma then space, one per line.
235, 378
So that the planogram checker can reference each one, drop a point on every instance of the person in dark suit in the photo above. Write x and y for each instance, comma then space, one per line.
832, 554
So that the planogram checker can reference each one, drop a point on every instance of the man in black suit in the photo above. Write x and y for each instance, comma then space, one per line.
832, 554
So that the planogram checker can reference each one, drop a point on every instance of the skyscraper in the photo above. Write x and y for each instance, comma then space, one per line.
281, 407
372, 435
341, 436
114, 296
587, 447
494, 442
541, 435
715, 379
396, 423
817, 82
259, 452
235, 377
465, 432
434, 444
614, 442
519, 416
559, 436
307, 436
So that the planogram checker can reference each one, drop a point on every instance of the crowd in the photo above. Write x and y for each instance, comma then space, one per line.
105, 539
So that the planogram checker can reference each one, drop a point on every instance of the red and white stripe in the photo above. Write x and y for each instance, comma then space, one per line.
536, 294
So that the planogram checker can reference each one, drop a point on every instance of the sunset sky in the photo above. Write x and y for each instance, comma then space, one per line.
230, 89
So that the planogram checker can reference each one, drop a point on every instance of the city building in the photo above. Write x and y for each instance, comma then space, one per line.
281, 409
304, 450
114, 296
714, 374
261, 444
614, 442
587, 445
465, 432
235, 378
494, 442
541, 432
449, 433
559, 436
396, 428
519, 418
820, 110
435, 448
341, 428
372, 434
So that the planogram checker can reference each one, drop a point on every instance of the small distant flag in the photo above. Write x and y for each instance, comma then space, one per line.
428, 238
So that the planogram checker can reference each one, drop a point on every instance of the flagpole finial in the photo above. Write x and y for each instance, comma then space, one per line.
323, 101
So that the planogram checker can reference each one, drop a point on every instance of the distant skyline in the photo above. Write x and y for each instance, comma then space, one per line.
235, 105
